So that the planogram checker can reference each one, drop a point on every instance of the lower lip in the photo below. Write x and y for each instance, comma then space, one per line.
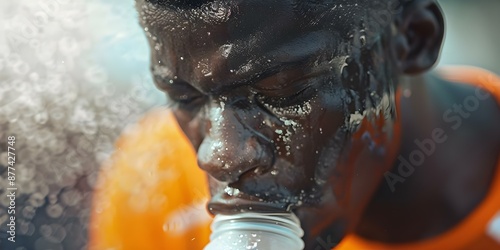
224, 203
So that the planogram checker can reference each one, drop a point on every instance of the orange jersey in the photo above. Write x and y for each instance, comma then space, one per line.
151, 195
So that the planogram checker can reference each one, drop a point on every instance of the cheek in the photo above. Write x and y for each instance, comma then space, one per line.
330, 134
332, 120
314, 142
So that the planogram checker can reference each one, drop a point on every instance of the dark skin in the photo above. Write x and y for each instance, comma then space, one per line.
290, 106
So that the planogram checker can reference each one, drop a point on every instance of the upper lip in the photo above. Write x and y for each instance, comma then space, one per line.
224, 203
237, 197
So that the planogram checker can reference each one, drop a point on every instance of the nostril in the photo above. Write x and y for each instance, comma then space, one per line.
218, 170
249, 158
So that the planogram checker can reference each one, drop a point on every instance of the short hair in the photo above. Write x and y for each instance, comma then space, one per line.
183, 4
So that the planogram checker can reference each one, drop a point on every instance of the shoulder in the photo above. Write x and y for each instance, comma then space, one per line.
150, 182
468, 99
152, 155
466, 105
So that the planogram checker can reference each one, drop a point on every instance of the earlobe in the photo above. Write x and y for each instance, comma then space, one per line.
418, 45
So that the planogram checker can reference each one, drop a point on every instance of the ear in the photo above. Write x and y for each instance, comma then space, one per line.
421, 32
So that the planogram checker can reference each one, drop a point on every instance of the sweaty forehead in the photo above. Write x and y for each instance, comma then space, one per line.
201, 31
240, 16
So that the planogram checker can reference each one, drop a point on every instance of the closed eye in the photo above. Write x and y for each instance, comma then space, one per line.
181, 94
285, 97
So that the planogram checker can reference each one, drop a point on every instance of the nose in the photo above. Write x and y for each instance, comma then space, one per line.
232, 145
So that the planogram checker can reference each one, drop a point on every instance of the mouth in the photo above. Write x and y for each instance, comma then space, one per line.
233, 201
256, 190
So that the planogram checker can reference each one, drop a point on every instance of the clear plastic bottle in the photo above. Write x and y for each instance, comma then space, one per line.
256, 231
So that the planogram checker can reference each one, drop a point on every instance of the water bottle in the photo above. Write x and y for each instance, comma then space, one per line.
256, 231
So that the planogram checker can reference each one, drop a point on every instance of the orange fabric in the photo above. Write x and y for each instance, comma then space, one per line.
151, 194
471, 233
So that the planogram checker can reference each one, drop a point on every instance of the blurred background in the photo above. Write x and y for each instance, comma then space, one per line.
472, 37
74, 73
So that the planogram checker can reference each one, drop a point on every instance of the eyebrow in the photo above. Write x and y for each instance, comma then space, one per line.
262, 74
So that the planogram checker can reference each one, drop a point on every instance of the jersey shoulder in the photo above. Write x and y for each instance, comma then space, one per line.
471, 95
151, 194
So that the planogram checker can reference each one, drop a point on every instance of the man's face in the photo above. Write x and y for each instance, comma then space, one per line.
270, 94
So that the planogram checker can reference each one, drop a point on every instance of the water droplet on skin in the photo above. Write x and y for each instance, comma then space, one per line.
232, 191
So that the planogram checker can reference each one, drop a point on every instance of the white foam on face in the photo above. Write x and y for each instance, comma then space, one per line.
245, 68
299, 110
225, 50
291, 126
357, 117
232, 191
204, 66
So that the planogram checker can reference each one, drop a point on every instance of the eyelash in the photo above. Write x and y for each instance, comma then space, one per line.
287, 101
188, 100
184, 101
